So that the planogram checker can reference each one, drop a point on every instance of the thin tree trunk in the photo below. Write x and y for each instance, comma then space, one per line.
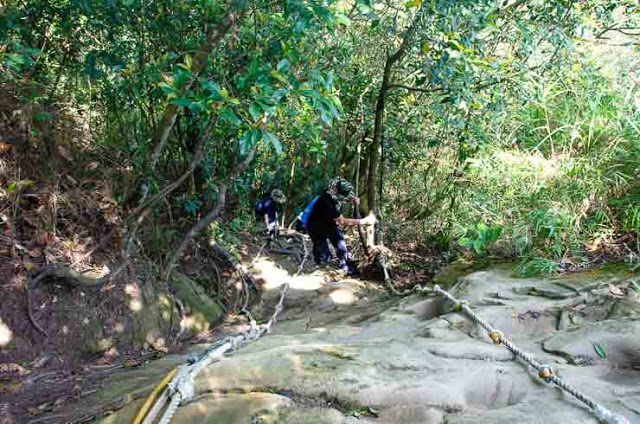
215, 34
374, 152
362, 181
148, 207
380, 190
289, 205
212, 215
356, 208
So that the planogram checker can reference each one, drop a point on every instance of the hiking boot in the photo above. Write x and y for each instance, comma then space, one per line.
349, 271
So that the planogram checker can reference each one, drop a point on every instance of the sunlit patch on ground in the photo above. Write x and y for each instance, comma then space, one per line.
6, 335
132, 290
270, 276
342, 296
195, 322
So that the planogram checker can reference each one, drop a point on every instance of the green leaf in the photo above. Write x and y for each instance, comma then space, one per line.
181, 102
599, 350
256, 135
329, 81
215, 90
277, 75
279, 94
245, 143
283, 65
336, 102
273, 140
43, 116
266, 104
477, 245
413, 3
229, 116
196, 107
454, 44
364, 7
255, 111
326, 118
465, 242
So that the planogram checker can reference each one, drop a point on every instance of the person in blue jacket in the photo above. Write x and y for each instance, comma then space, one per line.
267, 210
323, 221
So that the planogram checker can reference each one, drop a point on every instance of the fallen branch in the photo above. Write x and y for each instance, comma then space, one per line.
284, 251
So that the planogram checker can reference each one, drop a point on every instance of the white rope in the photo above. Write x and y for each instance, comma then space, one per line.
545, 372
181, 388
171, 409
155, 411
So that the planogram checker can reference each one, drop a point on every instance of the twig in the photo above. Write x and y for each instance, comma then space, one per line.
15, 207
30, 314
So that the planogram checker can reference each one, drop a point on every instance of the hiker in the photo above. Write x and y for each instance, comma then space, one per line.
323, 219
266, 209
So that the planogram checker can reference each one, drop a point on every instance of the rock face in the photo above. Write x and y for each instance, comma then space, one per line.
348, 352
151, 311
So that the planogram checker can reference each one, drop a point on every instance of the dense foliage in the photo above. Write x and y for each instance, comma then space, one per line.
502, 128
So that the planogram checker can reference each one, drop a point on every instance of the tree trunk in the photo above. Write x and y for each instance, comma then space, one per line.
289, 205
213, 213
215, 34
362, 183
374, 150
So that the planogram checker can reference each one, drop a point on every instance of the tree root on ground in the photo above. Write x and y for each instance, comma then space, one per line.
69, 277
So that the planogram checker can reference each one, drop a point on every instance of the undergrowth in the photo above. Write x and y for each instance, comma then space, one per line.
555, 189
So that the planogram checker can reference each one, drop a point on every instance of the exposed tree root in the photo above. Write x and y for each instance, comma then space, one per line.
69, 277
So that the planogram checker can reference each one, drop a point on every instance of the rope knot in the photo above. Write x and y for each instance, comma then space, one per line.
233, 342
496, 337
459, 305
545, 373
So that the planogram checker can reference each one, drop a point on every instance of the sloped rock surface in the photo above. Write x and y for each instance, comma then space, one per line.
365, 354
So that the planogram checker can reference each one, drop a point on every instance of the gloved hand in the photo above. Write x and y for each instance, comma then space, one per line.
272, 229
369, 220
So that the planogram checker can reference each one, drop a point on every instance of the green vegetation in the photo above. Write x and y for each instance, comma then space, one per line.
500, 129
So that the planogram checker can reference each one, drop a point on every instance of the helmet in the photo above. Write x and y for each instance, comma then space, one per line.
278, 196
341, 190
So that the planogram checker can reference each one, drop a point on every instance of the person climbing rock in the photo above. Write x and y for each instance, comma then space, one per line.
267, 210
323, 220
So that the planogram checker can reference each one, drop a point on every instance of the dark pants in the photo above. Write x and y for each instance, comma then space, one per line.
321, 252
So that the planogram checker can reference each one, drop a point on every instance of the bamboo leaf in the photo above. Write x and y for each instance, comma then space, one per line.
599, 350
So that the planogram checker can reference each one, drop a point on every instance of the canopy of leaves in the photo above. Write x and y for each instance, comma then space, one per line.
500, 126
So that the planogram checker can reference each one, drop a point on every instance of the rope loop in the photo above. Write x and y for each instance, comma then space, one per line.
460, 303
233, 342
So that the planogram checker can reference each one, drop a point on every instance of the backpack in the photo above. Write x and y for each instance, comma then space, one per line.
258, 209
304, 217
